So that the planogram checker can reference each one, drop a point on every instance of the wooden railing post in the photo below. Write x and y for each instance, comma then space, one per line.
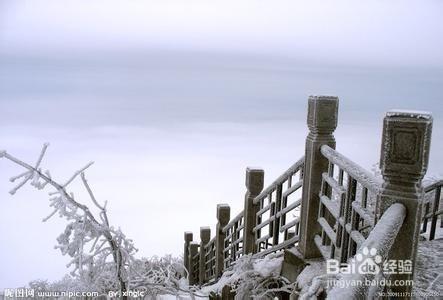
188, 240
322, 121
403, 163
223, 217
254, 185
205, 236
193, 250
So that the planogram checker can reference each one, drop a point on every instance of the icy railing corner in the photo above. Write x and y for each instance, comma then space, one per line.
409, 113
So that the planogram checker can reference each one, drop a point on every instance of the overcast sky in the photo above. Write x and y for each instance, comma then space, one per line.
360, 32
174, 99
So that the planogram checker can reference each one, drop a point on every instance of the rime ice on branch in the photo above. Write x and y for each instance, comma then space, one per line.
102, 255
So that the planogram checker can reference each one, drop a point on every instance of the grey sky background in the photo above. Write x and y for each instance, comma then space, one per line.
173, 99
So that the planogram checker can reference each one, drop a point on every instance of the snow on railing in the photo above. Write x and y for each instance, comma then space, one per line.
431, 208
345, 211
209, 249
233, 242
278, 216
381, 238
193, 266
212, 258
340, 207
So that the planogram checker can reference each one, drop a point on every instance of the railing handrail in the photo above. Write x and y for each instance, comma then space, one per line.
281, 179
433, 185
382, 238
208, 244
363, 176
233, 221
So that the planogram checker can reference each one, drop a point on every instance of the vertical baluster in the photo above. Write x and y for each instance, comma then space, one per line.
341, 229
434, 211
425, 218
277, 209
234, 242
284, 204
347, 243
271, 223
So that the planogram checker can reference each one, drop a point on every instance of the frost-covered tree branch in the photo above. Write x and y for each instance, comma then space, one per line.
102, 256
105, 264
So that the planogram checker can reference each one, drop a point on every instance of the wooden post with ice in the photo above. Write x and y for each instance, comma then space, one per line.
205, 236
223, 217
188, 240
193, 250
254, 185
404, 160
322, 121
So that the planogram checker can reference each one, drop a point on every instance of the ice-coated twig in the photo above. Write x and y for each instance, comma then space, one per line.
21, 184
77, 173
14, 178
50, 215
91, 194
42, 154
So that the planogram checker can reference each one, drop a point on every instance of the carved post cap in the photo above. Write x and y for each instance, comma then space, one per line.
405, 144
188, 236
223, 214
254, 180
322, 113
205, 234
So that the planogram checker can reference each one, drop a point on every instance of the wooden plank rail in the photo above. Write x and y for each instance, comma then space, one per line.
327, 205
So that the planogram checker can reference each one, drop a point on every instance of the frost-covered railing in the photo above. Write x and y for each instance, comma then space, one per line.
193, 263
210, 260
233, 242
431, 208
381, 238
278, 213
346, 212
241, 235
327, 205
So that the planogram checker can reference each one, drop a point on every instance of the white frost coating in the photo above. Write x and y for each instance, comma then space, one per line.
427, 272
255, 169
357, 172
281, 179
106, 267
409, 113
233, 221
268, 266
249, 277
381, 238
311, 271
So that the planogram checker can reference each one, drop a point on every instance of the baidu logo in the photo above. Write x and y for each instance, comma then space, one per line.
365, 262
368, 262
